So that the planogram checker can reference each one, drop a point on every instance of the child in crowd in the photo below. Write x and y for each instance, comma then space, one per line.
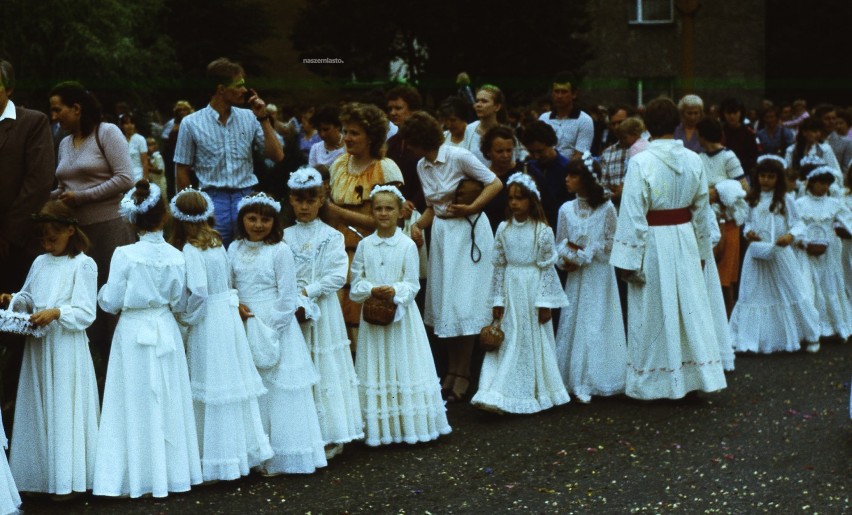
156, 165
264, 274
56, 413
225, 383
400, 393
522, 375
591, 346
818, 215
773, 313
321, 266
147, 443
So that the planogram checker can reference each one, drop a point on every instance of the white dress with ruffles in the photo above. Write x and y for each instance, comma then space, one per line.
265, 278
399, 388
147, 441
225, 383
10, 499
818, 217
522, 376
773, 312
591, 347
321, 267
57, 409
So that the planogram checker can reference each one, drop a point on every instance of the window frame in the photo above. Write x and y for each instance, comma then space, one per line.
636, 14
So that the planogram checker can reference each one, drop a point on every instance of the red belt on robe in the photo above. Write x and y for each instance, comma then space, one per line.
668, 216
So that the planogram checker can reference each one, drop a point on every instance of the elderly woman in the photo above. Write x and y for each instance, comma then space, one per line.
93, 173
352, 177
691, 109
460, 248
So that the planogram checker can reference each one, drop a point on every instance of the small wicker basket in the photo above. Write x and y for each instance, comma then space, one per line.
491, 337
379, 311
18, 321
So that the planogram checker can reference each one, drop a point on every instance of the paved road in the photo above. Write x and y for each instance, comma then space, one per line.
778, 439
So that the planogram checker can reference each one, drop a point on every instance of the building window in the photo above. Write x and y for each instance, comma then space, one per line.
648, 89
651, 11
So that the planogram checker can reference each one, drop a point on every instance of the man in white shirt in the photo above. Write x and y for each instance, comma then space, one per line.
575, 129
217, 143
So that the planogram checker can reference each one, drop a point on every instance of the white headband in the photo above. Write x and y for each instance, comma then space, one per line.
183, 217
128, 208
772, 157
305, 178
388, 188
526, 181
821, 170
812, 160
259, 198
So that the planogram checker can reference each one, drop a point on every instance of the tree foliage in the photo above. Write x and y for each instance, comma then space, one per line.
516, 45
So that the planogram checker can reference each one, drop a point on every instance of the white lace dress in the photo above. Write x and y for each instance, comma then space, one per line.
147, 441
10, 500
225, 383
321, 267
399, 388
57, 410
265, 278
773, 312
817, 218
591, 347
522, 376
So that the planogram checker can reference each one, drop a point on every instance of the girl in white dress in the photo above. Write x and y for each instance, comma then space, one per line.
399, 388
460, 249
819, 214
264, 274
590, 345
10, 499
522, 376
56, 413
225, 383
147, 443
773, 312
321, 267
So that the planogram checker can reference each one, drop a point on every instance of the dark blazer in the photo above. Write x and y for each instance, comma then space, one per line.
27, 169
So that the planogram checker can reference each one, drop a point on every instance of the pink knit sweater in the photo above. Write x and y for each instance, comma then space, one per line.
85, 172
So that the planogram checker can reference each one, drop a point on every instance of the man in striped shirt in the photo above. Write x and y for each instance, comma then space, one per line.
217, 143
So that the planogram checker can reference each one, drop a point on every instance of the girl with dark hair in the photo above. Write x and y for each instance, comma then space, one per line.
819, 214
147, 443
453, 115
225, 382
56, 413
93, 173
773, 312
811, 148
498, 146
137, 146
590, 344
522, 375
264, 274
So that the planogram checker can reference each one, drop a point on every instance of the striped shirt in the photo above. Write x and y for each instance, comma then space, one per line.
221, 155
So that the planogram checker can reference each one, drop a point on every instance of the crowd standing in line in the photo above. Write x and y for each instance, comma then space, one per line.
225, 295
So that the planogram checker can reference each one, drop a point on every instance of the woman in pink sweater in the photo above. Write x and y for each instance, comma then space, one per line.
93, 174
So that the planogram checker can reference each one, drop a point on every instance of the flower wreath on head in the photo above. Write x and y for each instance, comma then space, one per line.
819, 171
184, 217
388, 188
526, 182
128, 208
589, 162
259, 198
305, 178
812, 160
772, 157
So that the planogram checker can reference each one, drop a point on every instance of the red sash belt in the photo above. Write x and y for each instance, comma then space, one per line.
669, 216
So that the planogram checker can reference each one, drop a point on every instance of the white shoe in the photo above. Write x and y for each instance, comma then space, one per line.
813, 348
583, 398
333, 450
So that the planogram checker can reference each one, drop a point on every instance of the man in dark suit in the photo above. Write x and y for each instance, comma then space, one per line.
27, 167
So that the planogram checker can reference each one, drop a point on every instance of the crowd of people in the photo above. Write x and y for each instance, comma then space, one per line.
263, 292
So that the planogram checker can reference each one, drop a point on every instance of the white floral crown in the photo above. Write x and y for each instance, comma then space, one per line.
128, 208
259, 198
526, 182
388, 188
812, 160
772, 157
820, 170
305, 178
589, 163
184, 217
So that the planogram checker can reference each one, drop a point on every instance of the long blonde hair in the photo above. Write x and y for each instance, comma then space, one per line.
201, 235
